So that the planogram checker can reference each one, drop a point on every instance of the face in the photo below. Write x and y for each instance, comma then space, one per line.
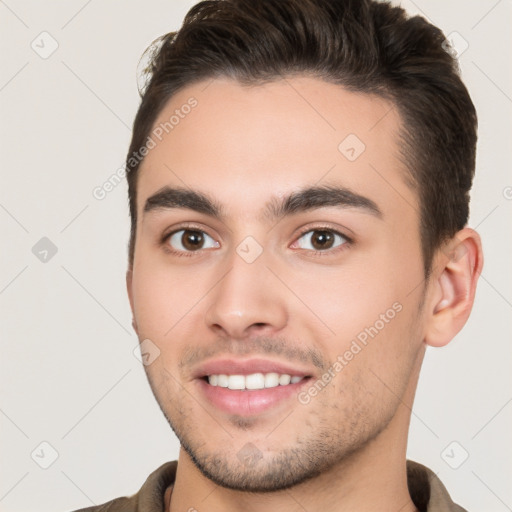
277, 277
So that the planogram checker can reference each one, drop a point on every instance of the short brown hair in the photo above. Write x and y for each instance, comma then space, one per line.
362, 45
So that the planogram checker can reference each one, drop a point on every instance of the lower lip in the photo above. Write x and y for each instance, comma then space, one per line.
248, 402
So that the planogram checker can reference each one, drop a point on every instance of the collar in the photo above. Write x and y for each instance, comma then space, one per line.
427, 492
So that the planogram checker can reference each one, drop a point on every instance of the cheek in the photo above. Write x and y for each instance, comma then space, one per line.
163, 296
369, 311
347, 299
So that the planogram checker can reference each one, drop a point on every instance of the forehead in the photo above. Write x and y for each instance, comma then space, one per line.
241, 144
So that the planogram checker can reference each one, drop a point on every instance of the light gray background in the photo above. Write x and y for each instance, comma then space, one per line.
68, 373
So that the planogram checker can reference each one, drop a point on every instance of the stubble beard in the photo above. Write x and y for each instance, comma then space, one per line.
321, 447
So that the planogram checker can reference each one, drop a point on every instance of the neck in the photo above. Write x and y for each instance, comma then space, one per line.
374, 479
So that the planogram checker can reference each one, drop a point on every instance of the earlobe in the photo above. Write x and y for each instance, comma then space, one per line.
459, 265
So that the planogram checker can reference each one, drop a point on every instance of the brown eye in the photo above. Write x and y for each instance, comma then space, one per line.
191, 240
321, 240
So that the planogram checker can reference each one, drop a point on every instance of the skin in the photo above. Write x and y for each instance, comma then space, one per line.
345, 449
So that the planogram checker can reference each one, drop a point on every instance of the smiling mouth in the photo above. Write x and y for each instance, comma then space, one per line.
250, 394
253, 381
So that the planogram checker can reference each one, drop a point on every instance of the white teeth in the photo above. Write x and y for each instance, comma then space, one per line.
222, 380
284, 379
236, 382
271, 380
253, 381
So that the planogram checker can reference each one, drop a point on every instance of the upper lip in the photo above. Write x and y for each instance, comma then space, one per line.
247, 367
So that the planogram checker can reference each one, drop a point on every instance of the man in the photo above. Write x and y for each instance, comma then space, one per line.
298, 181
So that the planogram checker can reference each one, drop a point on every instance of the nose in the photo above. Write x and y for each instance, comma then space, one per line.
247, 301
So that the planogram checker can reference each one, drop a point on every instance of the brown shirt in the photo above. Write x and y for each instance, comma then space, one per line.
427, 492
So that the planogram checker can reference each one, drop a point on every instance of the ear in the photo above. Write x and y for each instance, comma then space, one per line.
458, 265
129, 278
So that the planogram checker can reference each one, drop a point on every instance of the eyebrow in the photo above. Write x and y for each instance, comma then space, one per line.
307, 199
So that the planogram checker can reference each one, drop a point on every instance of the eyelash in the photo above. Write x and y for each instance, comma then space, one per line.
348, 241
